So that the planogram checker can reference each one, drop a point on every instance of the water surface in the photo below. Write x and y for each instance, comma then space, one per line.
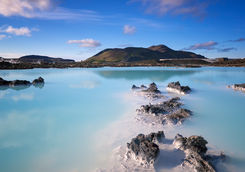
54, 128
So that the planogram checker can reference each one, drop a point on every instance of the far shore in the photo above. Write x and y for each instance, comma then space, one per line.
168, 63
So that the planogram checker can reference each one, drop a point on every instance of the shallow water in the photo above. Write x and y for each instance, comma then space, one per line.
62, 126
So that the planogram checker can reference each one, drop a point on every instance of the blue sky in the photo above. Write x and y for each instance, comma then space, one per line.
80, 29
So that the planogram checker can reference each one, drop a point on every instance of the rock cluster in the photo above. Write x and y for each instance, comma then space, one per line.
152, 91
144, 149
240, 87
167, 112
16, 83
195, 150
176, 87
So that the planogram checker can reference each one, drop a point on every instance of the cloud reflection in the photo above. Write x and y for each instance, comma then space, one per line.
23, 96
85, 84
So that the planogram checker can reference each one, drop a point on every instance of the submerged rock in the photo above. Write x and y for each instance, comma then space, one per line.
176, 87
240, 87
195, 150
144, 149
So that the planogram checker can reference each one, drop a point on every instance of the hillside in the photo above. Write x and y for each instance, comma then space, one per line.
136, 55
43, 59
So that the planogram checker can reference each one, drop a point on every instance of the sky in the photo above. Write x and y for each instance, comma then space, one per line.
79, 29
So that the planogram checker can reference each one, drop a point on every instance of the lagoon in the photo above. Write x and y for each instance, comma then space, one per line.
77, 119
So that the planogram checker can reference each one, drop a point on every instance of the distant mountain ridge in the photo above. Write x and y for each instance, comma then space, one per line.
44, 59
138, 54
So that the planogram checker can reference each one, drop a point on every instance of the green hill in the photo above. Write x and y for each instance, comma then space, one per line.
43, 59
139, 55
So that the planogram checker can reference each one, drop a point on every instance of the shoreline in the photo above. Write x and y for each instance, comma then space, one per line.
75, 67
15, 66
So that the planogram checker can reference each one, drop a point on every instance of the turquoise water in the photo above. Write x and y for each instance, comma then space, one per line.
53, 128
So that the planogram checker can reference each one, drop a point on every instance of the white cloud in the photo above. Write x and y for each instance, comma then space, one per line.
85, 43
23, 8
127, 29
44, 9
22, 31
176, 7
206, 45
237, 40
59, 13
23, 97
2, 37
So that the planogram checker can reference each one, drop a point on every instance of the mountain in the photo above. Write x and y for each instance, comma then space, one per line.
136, 54
43, 59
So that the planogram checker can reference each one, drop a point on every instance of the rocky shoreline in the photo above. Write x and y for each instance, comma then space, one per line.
186, 63
146, 149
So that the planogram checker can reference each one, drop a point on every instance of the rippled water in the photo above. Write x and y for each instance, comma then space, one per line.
55, 128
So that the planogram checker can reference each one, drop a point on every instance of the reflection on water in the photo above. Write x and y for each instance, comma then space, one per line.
156, 75
21, 87
17, 88
39, 85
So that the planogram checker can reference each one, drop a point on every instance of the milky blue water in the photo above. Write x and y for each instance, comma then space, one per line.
53, 128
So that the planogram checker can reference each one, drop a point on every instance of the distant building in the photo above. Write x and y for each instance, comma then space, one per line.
222, 59
10, 60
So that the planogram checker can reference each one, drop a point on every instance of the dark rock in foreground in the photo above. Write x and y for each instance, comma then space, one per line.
176, 87
240, 87
195, 150
192, 143
144, 149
